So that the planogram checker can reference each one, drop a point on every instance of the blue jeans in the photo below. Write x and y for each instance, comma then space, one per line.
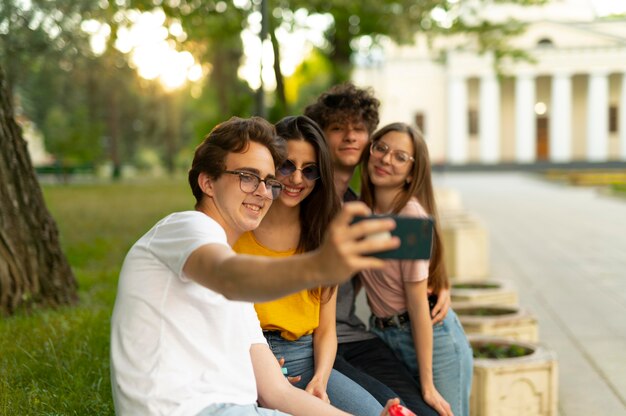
374, 366
452, 358
224, 409
343, 393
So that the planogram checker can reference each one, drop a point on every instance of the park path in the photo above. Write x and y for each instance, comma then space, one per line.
564, 248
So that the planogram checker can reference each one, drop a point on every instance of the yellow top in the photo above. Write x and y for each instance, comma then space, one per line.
294, 315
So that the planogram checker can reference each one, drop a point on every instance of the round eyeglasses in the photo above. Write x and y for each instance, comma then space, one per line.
309, 172
398, 157
249, 183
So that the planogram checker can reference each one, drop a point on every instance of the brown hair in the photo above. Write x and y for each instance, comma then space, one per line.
420, 187
232, 136
345, 102
319, 208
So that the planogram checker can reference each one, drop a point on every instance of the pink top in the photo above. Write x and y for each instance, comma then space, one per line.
385, 287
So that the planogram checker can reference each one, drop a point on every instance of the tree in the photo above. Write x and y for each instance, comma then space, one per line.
33, 268
401, 20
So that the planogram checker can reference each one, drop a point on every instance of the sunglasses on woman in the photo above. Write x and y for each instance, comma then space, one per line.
309, 172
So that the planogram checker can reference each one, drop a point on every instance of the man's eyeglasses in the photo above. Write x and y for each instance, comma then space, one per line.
398, 157
310, 172
249, 182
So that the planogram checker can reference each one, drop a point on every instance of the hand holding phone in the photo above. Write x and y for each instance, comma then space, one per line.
416, 236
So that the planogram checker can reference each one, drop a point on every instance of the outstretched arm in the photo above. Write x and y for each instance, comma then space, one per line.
343, 252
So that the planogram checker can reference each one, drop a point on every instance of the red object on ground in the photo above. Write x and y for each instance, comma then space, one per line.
399, 410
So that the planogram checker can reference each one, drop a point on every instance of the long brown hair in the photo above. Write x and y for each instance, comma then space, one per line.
420, 187
319, 208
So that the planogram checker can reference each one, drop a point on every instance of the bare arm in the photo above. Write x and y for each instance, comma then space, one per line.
344, 252
275, 392
422, 330
324, 349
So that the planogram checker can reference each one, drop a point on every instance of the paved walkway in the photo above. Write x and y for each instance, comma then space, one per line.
565, 250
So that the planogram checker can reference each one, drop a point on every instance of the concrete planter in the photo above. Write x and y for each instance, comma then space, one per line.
484, 292
466, 248
522, 386
447, 200
499, 321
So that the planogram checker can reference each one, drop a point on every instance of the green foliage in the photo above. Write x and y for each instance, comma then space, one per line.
619, 189
311, 78
92, 108
485, 311
57, 361
475, 285
492, 350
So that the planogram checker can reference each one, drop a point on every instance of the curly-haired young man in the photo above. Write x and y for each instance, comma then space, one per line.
348, 115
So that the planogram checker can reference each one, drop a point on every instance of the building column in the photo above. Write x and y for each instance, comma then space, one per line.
621, 121
489, 118
598, 117
561, 118
525, 119
457, 151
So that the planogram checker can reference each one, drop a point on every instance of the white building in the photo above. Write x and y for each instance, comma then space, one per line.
567, 106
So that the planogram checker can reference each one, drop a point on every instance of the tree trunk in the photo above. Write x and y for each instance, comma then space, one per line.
280, 79
33, 269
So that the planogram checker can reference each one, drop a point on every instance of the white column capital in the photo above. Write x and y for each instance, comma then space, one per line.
599, 72
525, 74
562, 73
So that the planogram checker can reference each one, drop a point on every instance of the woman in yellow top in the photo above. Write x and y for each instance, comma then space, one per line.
301, 327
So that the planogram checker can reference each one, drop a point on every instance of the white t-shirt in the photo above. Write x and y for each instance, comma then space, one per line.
176, 346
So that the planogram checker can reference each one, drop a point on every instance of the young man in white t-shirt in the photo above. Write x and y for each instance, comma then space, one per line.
184, 338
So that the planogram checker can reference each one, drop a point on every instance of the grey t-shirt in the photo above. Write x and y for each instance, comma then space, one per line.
349, 327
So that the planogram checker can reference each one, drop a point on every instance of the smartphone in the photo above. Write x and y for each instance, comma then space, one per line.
416, 237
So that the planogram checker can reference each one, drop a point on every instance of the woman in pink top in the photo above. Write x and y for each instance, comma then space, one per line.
396, 179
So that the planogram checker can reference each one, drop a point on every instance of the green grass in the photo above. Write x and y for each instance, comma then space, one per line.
619, 189
56, 362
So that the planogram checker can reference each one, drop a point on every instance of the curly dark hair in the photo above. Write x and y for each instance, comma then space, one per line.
345, 102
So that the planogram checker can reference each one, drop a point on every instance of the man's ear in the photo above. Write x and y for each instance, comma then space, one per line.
206, 184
